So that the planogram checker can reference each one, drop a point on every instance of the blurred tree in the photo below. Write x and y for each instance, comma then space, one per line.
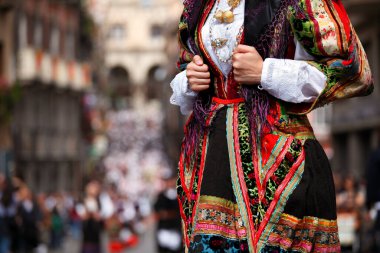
8, 99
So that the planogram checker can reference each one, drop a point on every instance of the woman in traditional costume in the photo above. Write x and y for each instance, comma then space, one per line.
252, 176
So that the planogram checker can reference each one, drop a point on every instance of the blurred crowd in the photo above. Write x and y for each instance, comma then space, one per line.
40, 223
103, 217
30, 222
135, 158
356, 218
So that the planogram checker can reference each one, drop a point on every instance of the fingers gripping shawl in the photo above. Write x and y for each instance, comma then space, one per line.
324, 30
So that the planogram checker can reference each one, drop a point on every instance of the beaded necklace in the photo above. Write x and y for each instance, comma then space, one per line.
224, 17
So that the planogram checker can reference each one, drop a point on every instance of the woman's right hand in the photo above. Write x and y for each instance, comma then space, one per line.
197, 74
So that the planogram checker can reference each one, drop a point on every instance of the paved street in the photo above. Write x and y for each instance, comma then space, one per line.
146, 244
70, 246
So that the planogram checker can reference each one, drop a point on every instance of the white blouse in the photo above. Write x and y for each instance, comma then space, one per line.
290, 80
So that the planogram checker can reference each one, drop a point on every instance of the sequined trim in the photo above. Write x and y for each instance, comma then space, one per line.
309, 234
219, 216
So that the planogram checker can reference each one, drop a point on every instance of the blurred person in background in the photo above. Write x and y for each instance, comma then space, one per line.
92, 224
129, 217
75, 220
109, 200
348, 215
28, 221
373, 193
91, 231
8, 210
166, 208
251, 71
113, 227
56, 229
45, 223
365, 240
338, 181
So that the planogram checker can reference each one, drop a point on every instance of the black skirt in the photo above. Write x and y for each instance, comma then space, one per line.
307, 222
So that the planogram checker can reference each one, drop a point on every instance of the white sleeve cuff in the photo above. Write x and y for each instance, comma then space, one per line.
182, 95
292, 80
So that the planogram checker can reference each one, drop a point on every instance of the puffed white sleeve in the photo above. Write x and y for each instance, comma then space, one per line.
293, 81
182, 96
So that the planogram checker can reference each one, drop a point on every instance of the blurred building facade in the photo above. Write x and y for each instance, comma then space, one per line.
355, 123
133, 33
7, 76
174, 120
140, 51
43, 52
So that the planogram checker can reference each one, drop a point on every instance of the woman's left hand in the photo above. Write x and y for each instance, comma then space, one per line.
247, 64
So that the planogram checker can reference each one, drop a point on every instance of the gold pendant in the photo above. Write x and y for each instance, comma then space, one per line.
219, 16
218, 43
233, 3
228, 17
225, 16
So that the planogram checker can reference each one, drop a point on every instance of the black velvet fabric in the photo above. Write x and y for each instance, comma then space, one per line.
314, 196
258, 14
216, 176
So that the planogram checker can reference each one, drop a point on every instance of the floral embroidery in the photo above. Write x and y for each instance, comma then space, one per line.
216, 244
219, 217
219, 227
259, 206
309, 234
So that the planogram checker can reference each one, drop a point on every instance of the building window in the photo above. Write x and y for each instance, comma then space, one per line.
22, 31
30, 28
38, 34
117, 31
118, 80
70, 45
47, 35
62, 41
156, 31
54, 41
156, 76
